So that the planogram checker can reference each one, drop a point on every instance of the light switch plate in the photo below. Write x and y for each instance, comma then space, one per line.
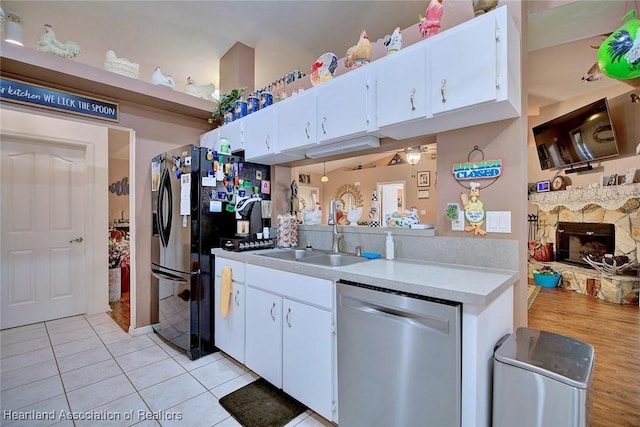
458, 224
498, 222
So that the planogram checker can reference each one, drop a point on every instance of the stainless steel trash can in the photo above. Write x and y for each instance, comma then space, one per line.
541, 379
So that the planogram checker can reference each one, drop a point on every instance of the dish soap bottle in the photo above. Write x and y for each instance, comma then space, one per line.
390, 247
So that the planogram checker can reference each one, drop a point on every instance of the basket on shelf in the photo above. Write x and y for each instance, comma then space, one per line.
610, 264
121, 66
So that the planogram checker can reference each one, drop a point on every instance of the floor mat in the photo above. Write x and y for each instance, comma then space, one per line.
532, 293
260, 404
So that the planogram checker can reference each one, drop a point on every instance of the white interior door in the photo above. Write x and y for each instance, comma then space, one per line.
42, 188
391, 196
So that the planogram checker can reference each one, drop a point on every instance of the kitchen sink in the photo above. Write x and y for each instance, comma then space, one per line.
328, 259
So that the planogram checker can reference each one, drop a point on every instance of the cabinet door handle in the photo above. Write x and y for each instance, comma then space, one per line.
324, 119
236, 298
287, 318
266, 141
306, 130
413, 95
77, 240
442, 87
273, 307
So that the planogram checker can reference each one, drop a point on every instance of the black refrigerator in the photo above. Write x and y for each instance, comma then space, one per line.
194, 194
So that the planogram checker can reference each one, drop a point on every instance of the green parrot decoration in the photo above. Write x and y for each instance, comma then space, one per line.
619, 54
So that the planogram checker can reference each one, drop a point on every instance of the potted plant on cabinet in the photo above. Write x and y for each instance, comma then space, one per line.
226, 103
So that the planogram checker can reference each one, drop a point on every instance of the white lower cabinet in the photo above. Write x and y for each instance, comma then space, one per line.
289, 335
264, 335
230, 329
307, 355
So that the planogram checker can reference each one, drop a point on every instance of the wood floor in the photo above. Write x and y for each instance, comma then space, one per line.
121, 312
614, 332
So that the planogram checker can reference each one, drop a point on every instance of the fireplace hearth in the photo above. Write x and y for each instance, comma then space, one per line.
576, 240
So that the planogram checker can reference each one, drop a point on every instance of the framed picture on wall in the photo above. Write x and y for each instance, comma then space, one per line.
423, 194
630, 176
424, 179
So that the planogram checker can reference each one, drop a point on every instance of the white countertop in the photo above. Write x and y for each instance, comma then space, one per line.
465, 284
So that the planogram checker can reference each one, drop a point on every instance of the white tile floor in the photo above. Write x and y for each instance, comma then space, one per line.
88, 367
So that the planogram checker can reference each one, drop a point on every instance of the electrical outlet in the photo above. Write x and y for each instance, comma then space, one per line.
458, 224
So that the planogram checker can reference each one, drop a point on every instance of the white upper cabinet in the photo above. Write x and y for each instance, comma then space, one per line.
344, 105
464, 76
402, 86
471, 76
475, 67
296, 121
464, 66
259, 134
232, 134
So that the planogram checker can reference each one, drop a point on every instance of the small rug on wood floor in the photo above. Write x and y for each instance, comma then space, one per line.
260, 404
532, 293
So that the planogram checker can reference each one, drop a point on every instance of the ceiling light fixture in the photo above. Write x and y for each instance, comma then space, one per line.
13, 28
413, 156
324, 178
343, 147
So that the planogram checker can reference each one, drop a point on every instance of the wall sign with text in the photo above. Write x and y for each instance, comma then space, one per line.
52, 99
477, 170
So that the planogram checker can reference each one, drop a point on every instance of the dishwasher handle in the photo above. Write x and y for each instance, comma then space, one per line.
393, 313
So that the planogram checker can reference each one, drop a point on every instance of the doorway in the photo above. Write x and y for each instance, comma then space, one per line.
392, 198
54, 194
120, 227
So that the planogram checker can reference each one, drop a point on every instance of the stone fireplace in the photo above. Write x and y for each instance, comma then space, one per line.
593, 220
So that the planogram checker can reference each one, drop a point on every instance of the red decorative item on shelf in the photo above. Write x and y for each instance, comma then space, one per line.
543, 253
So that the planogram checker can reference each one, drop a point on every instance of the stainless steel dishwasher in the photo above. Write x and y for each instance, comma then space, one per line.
399, 358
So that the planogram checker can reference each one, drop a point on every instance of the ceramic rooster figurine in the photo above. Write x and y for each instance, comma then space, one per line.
354, 214
48, 43
360, 54
473, 209
312, 216
157, 78
394, 42
200, 91
430, 23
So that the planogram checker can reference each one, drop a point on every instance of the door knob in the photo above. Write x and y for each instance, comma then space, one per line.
79, 240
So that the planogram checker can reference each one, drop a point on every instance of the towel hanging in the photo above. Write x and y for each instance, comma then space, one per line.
226, 289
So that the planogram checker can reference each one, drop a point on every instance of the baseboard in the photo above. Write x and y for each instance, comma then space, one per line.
143, 330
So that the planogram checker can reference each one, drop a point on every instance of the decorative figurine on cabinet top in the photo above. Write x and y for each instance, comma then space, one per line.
430, 23
483, 6
157, 78
360, 54
120, 66
394, 42
48, 43
473, 209
199, 91
324, 68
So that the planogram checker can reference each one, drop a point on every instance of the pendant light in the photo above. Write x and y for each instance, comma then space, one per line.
413, 156
324, 178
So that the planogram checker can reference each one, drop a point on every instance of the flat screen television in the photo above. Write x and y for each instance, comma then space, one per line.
582, 136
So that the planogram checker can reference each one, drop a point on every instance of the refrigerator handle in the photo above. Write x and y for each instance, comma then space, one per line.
164, 228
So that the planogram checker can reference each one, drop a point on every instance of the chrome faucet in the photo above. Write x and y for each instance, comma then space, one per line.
336, 237
331, 220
